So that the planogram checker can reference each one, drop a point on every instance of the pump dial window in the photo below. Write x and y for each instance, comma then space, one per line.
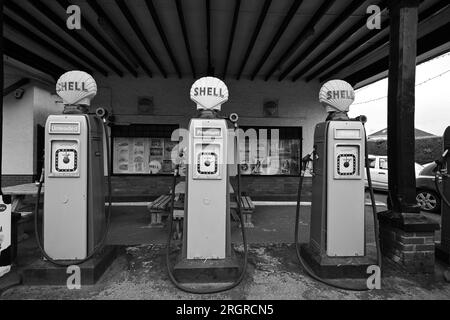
207, 163
346, 164
66, 160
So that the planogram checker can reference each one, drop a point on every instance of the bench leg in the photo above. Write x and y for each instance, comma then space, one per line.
248, 220
156, 220
177, 234
247, 216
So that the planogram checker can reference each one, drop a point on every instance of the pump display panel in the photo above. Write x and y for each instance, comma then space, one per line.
65, 158
346, 164
207, 161
347, 159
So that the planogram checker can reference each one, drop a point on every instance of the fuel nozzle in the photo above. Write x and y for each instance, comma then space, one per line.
306, 158
441, 160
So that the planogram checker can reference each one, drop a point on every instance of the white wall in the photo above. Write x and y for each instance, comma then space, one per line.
19, 128
298, 102
18, 134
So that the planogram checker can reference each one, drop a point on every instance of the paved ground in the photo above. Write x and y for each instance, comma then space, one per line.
273, 271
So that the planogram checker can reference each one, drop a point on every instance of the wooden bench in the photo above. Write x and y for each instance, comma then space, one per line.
161, 206
18, 194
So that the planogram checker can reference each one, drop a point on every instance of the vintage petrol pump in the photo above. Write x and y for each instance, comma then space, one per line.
206, 253
5, 234
74, 220
337, 246
442, 174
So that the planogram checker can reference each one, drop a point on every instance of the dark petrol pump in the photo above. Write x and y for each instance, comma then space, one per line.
206, 251
337, 247
442, 175
74, 220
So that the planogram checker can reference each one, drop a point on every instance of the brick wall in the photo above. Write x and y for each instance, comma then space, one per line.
12, 180
275, 188
414, 251
147, 188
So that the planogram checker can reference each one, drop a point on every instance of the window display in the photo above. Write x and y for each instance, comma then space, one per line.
149, 153
278, 151
146, 150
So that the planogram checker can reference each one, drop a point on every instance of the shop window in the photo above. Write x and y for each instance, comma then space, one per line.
277, 151
142, 149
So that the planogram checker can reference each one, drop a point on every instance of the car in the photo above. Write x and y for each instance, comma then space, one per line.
426, 195
379, 172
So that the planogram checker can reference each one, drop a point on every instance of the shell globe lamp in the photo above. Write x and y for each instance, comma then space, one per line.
209, 94
76, 89
337, 96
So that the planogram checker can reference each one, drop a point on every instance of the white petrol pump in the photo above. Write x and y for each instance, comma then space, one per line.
337, 245
74, 220
339, 169
207, 202
206, 254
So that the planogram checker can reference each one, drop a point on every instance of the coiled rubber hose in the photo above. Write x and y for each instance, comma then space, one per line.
376, 229
108, 216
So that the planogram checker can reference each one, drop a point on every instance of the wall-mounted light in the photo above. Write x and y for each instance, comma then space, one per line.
18, 94
145, 105
270, 108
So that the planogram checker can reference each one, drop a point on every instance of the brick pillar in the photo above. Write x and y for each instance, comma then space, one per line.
414, 251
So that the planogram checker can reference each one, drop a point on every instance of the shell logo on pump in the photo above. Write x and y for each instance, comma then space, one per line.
76, 87
337, 95
209, 93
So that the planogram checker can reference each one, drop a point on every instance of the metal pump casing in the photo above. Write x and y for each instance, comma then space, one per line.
74, 203
337, 212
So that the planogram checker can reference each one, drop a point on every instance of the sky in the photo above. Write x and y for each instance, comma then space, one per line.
432, 107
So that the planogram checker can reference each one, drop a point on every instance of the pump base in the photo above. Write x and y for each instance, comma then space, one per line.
202, 271
42, 272
9, 280
336, 267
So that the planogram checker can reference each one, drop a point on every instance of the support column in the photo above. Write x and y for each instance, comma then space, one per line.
405, 234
